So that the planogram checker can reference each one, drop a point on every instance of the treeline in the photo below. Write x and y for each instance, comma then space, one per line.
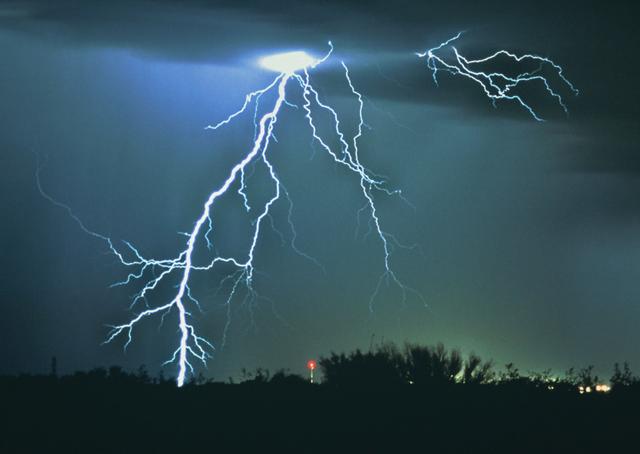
388, 365
388, 399
385, 365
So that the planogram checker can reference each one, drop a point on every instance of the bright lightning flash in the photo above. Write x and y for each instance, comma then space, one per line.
151, 272
497, 85
288, 62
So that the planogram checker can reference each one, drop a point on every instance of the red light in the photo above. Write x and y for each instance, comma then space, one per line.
311, 364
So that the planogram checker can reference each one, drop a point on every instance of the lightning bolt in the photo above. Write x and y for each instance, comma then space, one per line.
497, 85
192, 346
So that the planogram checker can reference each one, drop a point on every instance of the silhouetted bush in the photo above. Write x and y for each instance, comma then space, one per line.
425, 365
284, 378
476, 371
380, 367
419, 365
623, 377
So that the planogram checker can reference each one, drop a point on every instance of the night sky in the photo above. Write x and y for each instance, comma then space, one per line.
529, 232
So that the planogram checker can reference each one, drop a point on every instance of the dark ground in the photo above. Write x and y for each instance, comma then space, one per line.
50, 415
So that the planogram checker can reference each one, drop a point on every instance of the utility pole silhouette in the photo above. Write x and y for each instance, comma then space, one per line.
54, 367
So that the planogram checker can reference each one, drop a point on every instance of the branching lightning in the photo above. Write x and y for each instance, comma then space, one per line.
497, 85
293, 67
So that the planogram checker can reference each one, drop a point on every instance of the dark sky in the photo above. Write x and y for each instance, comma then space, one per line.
529, 232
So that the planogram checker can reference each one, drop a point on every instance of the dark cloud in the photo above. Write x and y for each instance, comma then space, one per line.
378, 35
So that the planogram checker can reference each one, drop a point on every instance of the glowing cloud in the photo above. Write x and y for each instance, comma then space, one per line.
288, 62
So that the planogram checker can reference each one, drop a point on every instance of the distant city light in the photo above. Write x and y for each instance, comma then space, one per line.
599, 388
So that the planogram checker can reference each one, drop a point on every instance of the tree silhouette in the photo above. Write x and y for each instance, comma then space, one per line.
379, 367
511, 374
284, 378
477, 372
587, 378
623, 377
431, 365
